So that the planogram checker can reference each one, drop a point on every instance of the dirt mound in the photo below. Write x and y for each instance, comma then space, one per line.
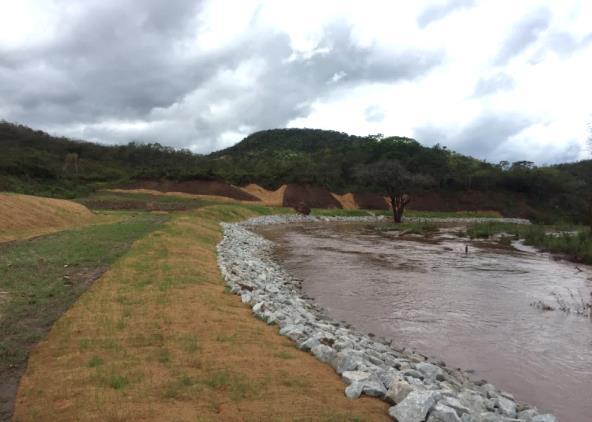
268, 197
507, 204
24, 216
370, 201
346, 200
312, 196
196, 187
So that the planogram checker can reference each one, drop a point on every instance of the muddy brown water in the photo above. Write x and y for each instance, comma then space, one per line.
470, 310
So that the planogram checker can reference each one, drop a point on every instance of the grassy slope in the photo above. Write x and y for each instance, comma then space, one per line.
41, 278
24, 216
158, 335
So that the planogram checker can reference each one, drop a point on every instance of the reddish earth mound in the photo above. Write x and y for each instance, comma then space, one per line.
346, 200
312, 196
196, 187
370, 201
508, 205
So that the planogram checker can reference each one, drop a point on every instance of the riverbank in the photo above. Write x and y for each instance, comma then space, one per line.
415, 388
158, 336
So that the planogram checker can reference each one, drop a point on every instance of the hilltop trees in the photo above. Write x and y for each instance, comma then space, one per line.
392, 178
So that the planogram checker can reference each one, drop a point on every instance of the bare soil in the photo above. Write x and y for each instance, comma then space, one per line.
197, 187
268, 197
370, 201
312, 196
346, 200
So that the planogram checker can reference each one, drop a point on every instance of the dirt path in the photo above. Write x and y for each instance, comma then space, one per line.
159, 337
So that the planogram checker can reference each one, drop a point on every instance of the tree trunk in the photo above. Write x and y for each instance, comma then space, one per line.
590, 216
398, 203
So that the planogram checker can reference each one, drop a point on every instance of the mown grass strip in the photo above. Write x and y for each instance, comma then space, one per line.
41, 278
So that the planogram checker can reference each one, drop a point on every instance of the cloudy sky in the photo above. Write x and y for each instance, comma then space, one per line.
497, 79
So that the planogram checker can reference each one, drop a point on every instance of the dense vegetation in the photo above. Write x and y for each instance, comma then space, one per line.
34, 162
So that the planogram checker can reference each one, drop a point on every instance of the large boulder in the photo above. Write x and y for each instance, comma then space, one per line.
415, 406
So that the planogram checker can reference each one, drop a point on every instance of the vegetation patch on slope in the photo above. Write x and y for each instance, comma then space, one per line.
41, 278
160, 335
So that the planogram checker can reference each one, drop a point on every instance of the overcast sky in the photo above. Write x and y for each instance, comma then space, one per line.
497, 79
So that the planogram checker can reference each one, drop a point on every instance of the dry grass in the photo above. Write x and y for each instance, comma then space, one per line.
268, 197
24, 216
158, 338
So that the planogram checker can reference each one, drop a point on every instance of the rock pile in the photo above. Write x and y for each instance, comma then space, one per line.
418, 390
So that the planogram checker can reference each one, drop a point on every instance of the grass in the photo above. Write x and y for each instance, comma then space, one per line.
575, 242
186, 348
44, 276
41, 278
452, 214
336, 212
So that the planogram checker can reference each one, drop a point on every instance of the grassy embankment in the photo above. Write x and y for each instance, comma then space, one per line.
158, 336
42, 277
408, 213
23, 216
575, 242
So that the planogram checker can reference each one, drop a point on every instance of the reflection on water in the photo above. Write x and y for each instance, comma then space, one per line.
470, 310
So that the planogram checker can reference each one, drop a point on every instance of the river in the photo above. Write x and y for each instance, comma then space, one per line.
471, 310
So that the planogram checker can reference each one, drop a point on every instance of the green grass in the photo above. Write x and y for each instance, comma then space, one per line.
451, 214
573, 241
42, 277
409, 213
337, 212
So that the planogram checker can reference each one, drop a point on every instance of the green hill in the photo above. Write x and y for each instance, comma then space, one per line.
36, 163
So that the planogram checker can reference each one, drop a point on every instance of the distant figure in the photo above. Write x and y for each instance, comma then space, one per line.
466, 249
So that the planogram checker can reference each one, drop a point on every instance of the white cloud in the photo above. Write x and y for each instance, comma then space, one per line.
204, 76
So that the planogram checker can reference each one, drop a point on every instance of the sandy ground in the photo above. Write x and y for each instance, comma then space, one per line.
346, 200
24, 216
158, 337
268, 197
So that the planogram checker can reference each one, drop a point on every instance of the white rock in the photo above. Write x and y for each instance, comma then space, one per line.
443, 413
415, 406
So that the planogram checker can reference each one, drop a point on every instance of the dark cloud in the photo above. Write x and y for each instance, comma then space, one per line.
487, 86
440, 11
523, 34
130, 61
481, 138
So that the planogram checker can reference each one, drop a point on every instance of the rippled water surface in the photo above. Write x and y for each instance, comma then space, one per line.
470, 310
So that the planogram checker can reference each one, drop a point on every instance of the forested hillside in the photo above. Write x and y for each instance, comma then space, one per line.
35, 162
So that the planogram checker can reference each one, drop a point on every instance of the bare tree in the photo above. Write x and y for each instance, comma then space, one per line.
392, 178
